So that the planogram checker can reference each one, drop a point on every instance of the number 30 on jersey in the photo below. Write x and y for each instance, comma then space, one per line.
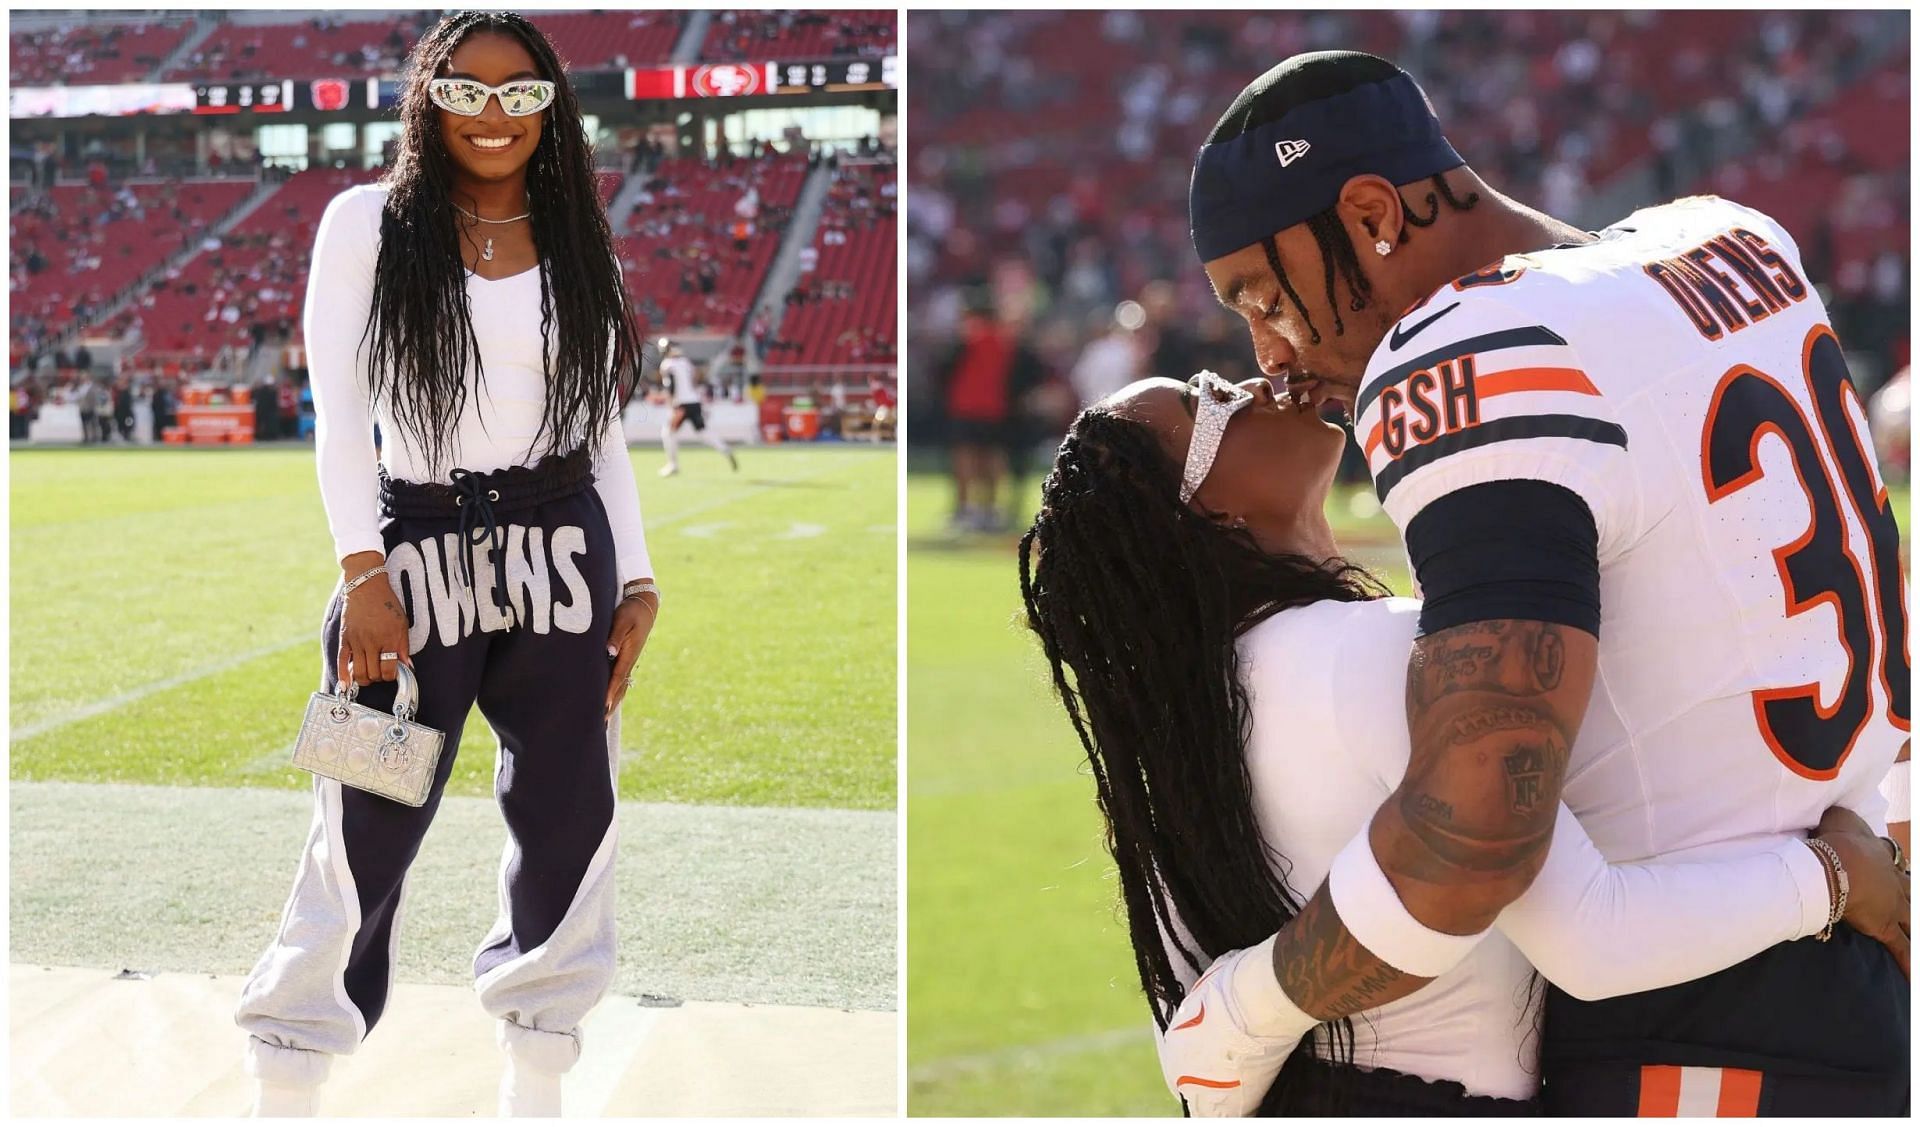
1819, 569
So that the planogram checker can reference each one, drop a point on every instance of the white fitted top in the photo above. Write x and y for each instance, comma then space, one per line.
502, 412
1329, 744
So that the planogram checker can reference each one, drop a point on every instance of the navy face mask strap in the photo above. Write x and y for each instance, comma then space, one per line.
1292, 168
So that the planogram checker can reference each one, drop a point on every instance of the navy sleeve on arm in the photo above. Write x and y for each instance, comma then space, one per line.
1507, 549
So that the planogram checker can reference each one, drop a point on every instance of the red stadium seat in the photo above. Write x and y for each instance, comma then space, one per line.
748, 35
91, 53
857, 329
686, 227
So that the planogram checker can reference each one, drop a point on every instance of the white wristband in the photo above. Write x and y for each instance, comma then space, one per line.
1372, 911
1259, 1005
1894, 789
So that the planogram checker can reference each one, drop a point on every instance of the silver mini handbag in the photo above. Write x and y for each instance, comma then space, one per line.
364, 748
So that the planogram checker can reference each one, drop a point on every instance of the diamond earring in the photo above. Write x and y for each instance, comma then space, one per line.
1383, 248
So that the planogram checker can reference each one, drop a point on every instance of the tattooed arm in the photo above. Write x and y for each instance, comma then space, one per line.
1493, 708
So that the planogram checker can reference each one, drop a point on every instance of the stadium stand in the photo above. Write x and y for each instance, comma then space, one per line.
250, 282
91, 53
593, 40
747, 34
843, 311
326, 47
76, 247
691, 255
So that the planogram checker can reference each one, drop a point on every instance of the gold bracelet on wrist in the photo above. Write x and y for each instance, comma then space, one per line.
1837, 885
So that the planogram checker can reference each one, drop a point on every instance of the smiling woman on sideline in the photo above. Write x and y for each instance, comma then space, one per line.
470, 303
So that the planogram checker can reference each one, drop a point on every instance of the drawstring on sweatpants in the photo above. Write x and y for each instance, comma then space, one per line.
472, 499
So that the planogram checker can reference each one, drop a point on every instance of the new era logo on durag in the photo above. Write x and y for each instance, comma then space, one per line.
1290, 151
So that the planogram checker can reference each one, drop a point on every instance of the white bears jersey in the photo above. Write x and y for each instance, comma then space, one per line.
1680, 376
678, 374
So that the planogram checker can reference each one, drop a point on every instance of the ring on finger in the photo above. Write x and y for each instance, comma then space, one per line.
389, 655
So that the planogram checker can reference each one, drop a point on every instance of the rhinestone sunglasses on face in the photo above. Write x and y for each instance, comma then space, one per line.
1217, 400
468, 98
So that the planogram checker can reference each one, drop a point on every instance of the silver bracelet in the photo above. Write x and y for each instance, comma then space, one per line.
362, 578
1831, 857
640, 587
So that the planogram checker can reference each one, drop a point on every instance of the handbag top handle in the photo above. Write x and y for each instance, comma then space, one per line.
406, 704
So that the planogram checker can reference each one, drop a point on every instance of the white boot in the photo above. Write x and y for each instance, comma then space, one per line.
273, 1101
526, 1091
536, 1058
286, 1080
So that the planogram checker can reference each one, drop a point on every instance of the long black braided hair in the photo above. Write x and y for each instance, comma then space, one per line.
1310, 78
1142, 598
419, 333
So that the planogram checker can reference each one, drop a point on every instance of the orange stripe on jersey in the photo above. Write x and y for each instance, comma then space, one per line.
1500, 383
1490, 384
1206, 1083
1659, 1091
1739, 1093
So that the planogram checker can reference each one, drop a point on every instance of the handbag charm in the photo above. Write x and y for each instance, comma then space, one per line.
364, 748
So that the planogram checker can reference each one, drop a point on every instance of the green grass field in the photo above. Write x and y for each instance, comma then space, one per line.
1023, 995
167, 608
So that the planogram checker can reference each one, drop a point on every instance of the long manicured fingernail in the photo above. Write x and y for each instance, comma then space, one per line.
612, 652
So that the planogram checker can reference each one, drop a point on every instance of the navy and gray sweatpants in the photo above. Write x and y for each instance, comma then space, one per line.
532, 652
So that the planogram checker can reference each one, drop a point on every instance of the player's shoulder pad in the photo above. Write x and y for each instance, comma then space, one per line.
1484, 360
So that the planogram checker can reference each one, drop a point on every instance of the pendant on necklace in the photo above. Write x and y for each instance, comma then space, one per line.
486, 252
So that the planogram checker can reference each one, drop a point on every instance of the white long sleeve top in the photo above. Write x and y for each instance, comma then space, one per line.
1329, 744
502, 414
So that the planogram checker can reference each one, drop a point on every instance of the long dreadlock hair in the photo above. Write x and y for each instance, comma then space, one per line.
1143, 598
419, 334
1310, 78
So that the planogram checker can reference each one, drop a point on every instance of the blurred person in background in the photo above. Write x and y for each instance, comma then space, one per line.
1890, 417
685, 394
1111, 360
123, 409
19, 411
91, 407
982, 380
162, 404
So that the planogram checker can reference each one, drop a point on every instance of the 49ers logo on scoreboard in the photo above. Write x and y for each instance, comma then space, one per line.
727, 80
329, 93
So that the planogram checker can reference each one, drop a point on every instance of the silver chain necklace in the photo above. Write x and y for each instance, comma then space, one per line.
486, 251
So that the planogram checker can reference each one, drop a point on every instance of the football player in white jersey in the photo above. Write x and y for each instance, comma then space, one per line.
1239, 688
683, 393
1659, 571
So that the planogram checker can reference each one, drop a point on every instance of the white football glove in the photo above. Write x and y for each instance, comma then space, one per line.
1207, 1054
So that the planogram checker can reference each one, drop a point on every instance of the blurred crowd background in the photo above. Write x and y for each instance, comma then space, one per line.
1049, 155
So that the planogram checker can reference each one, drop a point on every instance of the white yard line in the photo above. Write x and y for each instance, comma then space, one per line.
141, 692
